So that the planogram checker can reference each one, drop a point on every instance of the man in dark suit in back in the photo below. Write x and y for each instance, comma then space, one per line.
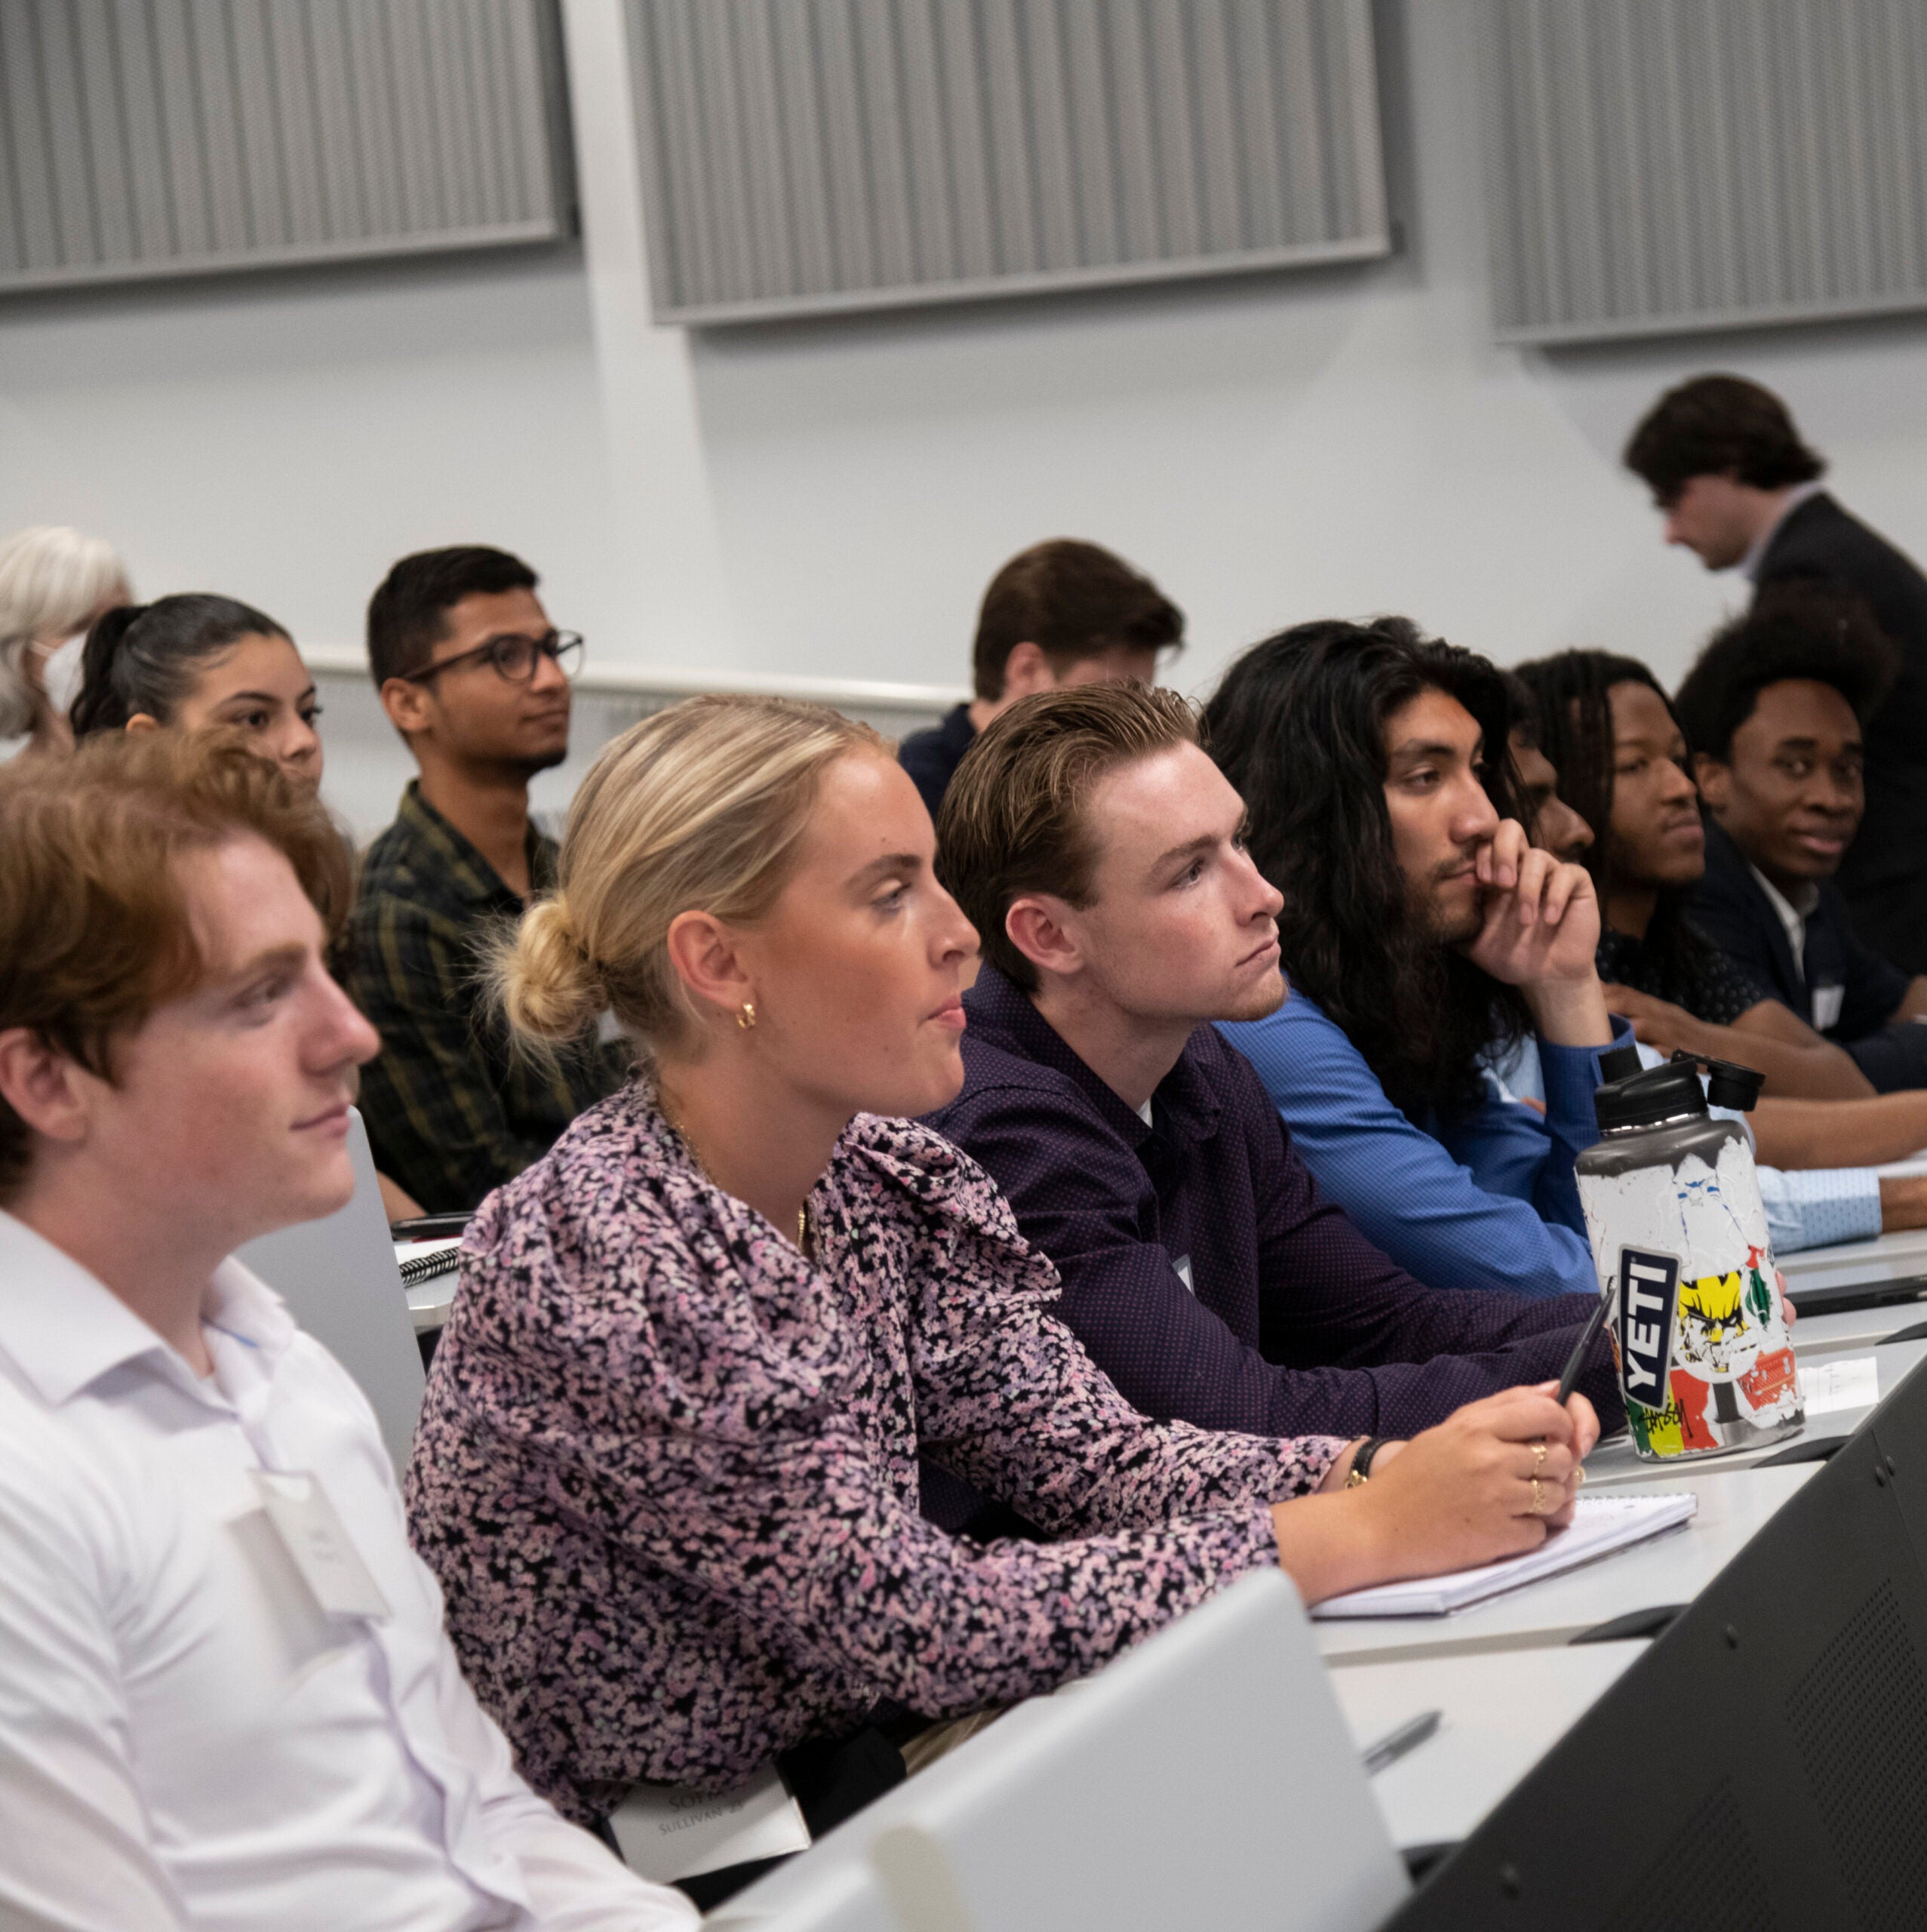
1738, 487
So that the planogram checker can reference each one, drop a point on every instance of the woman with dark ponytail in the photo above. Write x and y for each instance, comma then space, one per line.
198, 662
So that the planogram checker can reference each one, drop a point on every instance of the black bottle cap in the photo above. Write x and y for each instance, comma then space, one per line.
1647, 1098
1644, 1099
1619, 1063
1730, 1086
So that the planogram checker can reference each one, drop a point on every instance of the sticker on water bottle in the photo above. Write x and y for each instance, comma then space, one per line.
1706, 1363
1648, 1288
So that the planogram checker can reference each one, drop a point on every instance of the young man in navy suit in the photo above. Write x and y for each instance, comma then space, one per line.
1773, 711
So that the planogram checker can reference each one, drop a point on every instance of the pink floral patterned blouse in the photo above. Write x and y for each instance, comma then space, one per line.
667, 1468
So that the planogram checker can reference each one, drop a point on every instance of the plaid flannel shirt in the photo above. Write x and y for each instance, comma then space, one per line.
452, 1111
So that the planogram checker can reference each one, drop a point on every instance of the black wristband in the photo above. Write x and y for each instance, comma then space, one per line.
1361, 1463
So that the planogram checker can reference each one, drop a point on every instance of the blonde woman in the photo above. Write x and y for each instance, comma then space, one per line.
54, 583
667, 1469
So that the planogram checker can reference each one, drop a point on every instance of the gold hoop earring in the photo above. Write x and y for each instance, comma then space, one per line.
746, 1018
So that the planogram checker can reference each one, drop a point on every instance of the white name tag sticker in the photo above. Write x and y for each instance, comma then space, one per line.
666, 1833
318, 1545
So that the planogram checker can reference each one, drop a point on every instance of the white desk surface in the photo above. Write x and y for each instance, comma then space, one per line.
1673, 1567
429, 1305
1501, 1711
1886, 1257
1502, 1674
1856, 1332
1614, 1465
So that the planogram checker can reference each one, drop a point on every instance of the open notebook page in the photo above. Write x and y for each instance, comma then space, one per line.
1600, 1524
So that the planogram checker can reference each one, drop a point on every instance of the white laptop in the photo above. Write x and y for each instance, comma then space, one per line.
341, 1282
1206, 1779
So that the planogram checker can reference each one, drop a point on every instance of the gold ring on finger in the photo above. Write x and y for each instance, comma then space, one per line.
1538, 1503
1538, 1458
1578, 1477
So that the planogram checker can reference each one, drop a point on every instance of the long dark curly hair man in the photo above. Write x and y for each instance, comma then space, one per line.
1298, 727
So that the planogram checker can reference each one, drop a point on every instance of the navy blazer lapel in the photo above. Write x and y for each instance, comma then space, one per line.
1788, 974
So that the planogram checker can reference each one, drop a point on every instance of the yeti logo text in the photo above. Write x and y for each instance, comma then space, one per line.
1648, 1286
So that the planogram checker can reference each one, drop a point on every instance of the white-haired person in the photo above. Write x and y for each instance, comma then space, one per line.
54, 582
227, 1699
667, 1468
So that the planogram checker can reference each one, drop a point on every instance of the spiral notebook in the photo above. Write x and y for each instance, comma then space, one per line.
422, 1261
1601, 1525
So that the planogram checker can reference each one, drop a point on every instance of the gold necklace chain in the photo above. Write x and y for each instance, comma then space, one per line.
696, 1154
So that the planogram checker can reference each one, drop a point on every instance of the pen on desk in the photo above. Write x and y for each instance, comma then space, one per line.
1395, 1744
1577, 1359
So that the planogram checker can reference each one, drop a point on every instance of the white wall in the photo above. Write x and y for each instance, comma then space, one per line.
1271, 449
829, 499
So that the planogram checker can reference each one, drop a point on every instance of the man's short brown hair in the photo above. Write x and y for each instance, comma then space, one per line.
1714, 425
1073, 600
1013, 819
94, 925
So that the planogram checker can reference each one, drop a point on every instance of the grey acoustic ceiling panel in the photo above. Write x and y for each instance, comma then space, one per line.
1655, 165
147, 137
805, 156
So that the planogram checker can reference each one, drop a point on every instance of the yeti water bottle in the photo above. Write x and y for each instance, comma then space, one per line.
1679, 1233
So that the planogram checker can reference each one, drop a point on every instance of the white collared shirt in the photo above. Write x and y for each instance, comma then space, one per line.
1825, 1001
1792, 917
185, 1738
1749, 564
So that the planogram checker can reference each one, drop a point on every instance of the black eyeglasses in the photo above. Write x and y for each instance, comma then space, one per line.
511, 657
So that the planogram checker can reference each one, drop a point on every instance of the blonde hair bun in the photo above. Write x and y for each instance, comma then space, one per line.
549, 989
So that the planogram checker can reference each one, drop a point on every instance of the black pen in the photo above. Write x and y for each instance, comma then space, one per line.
1577, 1359
1395, 1744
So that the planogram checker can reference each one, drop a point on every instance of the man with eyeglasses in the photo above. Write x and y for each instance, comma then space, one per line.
476, 679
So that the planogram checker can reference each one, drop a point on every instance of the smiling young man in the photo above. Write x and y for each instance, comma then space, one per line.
1424, 940
1621, 759
476, 679
225, 1695
1774, 711
1100, 854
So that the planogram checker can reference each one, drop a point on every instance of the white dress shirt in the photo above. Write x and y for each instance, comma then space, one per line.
1793, 919
1825, 1000
186, 1739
